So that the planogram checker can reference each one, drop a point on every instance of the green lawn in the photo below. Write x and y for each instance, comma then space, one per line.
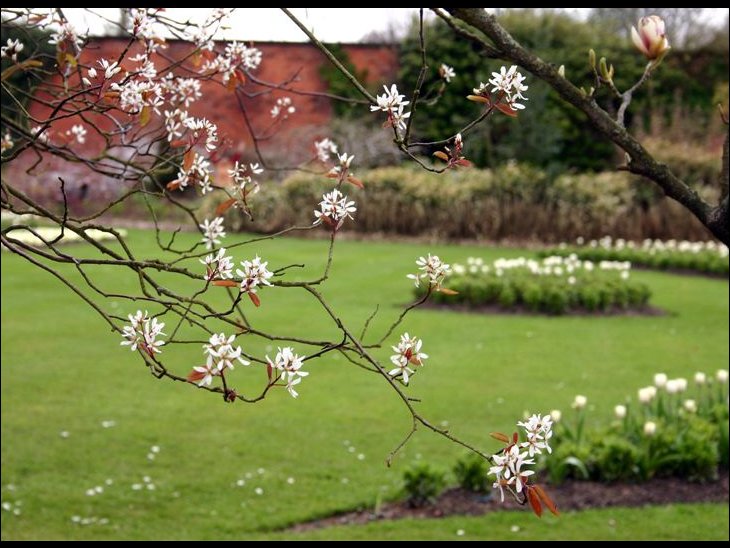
62, 370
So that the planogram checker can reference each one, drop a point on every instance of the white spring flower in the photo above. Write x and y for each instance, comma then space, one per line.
212, 232
218, 266
143, 332
334, 209
408, 351
432, 270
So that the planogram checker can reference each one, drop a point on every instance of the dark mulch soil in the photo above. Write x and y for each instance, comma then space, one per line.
571, 495
524, 311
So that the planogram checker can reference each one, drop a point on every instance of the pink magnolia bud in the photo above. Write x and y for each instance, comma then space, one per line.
651, 38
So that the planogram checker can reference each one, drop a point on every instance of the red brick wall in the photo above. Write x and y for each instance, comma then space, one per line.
296, 63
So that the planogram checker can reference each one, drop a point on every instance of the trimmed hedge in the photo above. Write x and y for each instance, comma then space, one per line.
553, 286
509, 202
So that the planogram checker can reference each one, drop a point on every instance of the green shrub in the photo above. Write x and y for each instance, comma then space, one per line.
471, 473
422, 484
471, 203
553, 286
615, 459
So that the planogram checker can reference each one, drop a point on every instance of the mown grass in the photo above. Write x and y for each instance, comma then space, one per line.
62, 370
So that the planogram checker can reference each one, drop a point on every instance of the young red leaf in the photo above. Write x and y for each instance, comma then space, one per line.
534, 501
441, 155
447, 291
463, 162
269, 371
188, 160
515, 437
174, 185
546, 499
225, 283
254, 299
499, 436
506, 109
225, 206
332, 175
177, 143
195, 376
355, 181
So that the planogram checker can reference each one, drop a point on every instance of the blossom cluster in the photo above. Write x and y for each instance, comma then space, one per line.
433, 271
143, 332
508, 86
509, 463
288, 365
407, 352
392, 103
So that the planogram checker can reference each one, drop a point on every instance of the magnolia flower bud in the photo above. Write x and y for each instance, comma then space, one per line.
620, 411
649, 428
651, 38
580, 402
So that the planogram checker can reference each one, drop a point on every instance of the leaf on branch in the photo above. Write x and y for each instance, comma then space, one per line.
479, 99
534, 501
144, 116
463, 162
355, 181
225, 283
174, 185
506, 109
332, 175
269, 371
441, 155
195, 376
177, 143
447, 291
546, 499
225, 206
254, 299
188, 160
499, 436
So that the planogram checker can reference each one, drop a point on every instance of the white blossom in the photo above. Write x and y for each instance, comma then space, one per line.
202, 128
212, 232
11, 50
288, 365
143, 332
392, 103
538, 431
324, 148
690, 406
221, 353
647, 394
253, 275
218, 266
407, 352
508, 83
199, 172
283, 108
660, 380
700, 378
721, 376
446, 72
334, 209
432, 269
649, 428
620, 411
6, 143
579, 402
78, 132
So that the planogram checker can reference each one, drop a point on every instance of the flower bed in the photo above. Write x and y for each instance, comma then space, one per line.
705, 257
553, 285
670, 430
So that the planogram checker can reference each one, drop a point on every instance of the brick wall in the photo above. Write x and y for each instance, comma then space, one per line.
298, 64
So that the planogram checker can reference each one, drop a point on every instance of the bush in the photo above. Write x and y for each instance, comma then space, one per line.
471, 473
472, 203
422, 484
553, 286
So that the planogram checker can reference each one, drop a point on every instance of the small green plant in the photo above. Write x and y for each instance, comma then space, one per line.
422, 483
471, 473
